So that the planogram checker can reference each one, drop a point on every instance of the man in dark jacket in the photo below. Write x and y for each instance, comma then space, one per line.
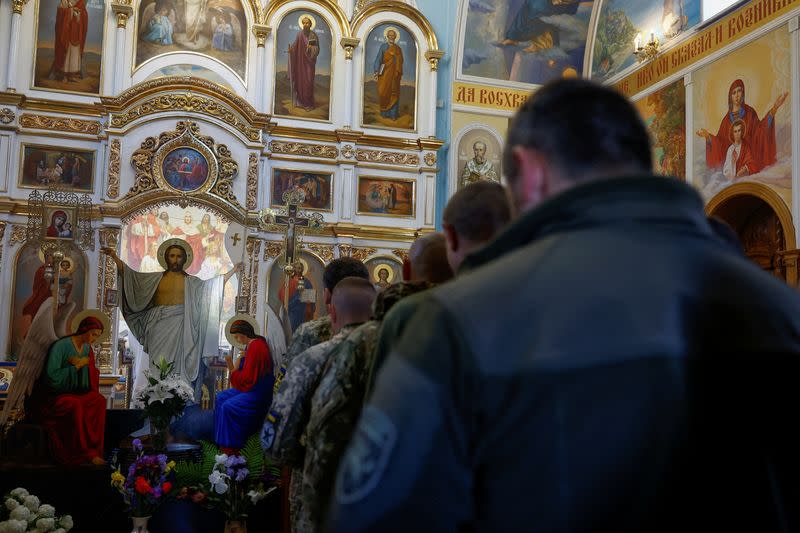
605, 364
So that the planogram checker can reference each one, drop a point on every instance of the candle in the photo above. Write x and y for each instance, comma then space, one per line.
637, 42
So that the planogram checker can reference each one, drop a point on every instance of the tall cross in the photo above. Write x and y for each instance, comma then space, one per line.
292, 220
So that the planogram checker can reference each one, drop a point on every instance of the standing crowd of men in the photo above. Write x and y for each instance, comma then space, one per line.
604, 358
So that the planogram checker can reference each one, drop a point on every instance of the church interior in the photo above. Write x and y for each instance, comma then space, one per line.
258, 141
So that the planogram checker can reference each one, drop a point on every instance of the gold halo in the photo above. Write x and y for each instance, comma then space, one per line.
396, 32
241, 316
379, 266
71, 262
304, 263
311, 17
99, 315
162, 249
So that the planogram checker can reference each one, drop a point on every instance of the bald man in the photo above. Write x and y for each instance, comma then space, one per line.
350, 306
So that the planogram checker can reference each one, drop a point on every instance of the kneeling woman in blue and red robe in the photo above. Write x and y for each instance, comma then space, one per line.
68, 402
240, 410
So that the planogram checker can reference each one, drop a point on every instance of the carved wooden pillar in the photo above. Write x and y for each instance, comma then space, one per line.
106, 280
262, 31
789, 261
123, 10
13, 44
349, 44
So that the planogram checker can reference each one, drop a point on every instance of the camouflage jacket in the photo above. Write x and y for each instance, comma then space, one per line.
335, 408
307, 335
288, 414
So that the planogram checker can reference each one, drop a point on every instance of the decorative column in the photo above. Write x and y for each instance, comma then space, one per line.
13, 44
433, 57
349, 44
107, 280
123, 10
794, 39
261, 31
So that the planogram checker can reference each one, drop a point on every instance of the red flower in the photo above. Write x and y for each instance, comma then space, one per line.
142, 486
198, 497
166, 487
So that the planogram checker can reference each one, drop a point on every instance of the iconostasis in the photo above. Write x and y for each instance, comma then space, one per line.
179, 118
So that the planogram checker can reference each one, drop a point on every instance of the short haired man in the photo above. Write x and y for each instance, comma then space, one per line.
428, 259
566, 382
350, 306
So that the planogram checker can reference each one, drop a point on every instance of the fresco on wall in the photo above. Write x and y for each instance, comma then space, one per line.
664, 114
303, 66
390, 78
479, 157
742, 118
621, 20
215, 28
32, 288
196, 71
69, 45
303, 305
527, 41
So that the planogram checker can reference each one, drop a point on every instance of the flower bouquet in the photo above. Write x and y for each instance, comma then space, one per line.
147, 484
164, 398
230, 483
22, 511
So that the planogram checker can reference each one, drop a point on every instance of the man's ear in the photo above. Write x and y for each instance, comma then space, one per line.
332, 312
326, 296
530, 185
450, 237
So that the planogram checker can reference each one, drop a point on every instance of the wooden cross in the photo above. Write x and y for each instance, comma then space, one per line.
236, 238
292, 220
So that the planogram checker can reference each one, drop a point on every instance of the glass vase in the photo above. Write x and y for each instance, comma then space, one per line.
140, 524
158, 435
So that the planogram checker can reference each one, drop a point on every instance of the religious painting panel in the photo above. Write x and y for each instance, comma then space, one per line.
384, 271
195, 71
215, 28
61, 223
204, 232
185, 169
525, 41
664, 114
34, 283
480, 156
303, 66
622, 23
69, 45
44, 166
317, 187
741, 118
390, 78
386, 196
299, 298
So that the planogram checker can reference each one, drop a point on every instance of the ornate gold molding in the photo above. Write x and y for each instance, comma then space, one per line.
7, 115
19, 234
73, 125
348, 151
433, 57
402, 254
123, 10
146, 162
188, 102
310, 150
253, 250
349, 44
18, 6
261, 31
324, 251
114, 169
107, 280
348, 250
251, 201
430, 159
272, 249
388, 158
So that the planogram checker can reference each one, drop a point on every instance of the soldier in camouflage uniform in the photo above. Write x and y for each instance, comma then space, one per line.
283, 434
336, 404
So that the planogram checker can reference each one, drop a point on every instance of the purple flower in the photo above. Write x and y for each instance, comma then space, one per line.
242, 474
229, 471
162, 459
137, 444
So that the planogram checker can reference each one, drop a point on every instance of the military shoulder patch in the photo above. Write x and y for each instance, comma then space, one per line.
365, 462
